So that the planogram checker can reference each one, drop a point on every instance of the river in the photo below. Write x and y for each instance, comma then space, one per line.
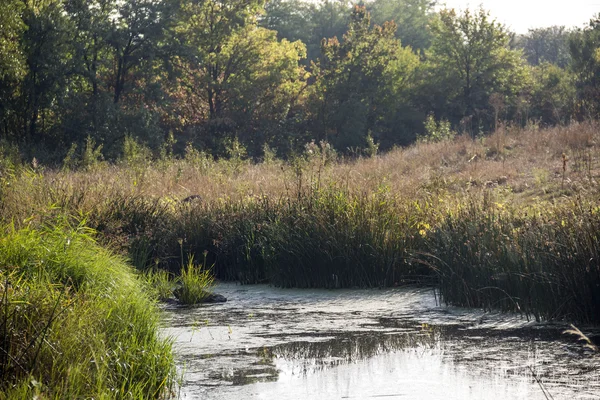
271, 343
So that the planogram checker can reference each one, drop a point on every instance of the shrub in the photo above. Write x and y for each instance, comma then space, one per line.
436, 131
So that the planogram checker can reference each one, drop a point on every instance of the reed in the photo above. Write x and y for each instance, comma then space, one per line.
195, 283
543, 262
496, 222
160, 283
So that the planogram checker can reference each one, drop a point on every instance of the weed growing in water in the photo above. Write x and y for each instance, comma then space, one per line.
195, 282
161, 283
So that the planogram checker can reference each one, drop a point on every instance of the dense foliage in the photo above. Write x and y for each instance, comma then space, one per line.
81, 78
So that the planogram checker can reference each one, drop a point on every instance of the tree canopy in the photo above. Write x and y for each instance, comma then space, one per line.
585, 52
282, 73
362, 82
470, 68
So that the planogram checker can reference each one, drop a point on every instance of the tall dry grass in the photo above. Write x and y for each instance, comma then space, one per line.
527, 161
425, 213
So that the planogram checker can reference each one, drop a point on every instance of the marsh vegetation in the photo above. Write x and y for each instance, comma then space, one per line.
509, 221
297, 144
501, 221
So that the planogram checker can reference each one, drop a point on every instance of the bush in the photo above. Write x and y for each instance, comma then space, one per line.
436, 131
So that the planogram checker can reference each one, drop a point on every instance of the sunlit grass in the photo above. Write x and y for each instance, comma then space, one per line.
195, 283
75, 321
496, 222
161, 283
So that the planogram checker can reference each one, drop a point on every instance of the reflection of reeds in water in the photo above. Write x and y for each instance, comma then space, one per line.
248, 375
352, 347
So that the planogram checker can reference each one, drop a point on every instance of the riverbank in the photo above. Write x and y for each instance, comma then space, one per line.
75, 321
506, 221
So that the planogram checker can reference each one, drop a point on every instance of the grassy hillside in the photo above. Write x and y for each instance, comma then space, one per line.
509, 220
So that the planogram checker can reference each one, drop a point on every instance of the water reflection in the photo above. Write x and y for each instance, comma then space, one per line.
272, 343
350, 348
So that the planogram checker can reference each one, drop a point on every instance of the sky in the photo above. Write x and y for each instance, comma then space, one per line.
521, 15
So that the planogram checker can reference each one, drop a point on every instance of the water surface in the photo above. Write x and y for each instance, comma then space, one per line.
270, 343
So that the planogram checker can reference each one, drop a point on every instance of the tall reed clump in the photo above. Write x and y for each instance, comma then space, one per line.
75, 321
320, 237
326, 237
329, 237
544, 263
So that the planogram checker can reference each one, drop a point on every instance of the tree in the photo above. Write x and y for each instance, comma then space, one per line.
291, 19
362, 84
135, 37
468, 64
546, 45
210, 24
585, 52
235, 78
47, 51
412, 18
307, 21
12, 62
553, 94
119, 56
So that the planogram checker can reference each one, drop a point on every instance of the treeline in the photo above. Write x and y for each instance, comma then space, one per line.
83, 78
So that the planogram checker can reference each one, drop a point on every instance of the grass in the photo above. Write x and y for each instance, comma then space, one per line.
161, 283
543, 262
75, 321
195, 282
503, 221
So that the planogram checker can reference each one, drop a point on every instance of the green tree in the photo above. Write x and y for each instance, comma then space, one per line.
93, 22
546, 45
136, 38
120, 54
47, 50
210, 25
291, 19
235, 78
362, 85
412, 17
12, 61
585, 52
471, 73
553, 94
307, 21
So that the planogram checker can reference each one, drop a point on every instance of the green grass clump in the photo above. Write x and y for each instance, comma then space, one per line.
161, 283
195, 281
75, 321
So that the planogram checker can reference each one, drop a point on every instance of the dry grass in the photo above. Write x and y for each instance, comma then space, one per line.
458, 213
523, 165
